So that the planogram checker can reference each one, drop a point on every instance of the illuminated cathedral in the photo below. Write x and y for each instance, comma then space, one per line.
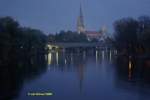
98, 35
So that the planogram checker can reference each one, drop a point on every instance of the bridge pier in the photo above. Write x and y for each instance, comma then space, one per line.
77, 47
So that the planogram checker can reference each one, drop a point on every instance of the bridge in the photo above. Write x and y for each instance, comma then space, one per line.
85, 45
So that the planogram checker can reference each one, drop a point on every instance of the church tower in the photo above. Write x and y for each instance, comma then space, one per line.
80, 22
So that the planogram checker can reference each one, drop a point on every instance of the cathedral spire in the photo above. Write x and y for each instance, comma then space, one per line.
80, 22
81, 13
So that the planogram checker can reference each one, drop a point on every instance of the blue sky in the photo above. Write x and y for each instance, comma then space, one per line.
51, 16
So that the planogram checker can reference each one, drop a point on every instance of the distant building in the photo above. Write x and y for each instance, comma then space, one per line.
80, 22
91, 35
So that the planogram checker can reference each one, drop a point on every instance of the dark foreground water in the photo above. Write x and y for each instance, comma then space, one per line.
86, 76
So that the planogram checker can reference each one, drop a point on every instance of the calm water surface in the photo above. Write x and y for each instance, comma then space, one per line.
88, 76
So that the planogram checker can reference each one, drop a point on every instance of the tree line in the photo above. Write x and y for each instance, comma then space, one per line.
18, 42
132, 36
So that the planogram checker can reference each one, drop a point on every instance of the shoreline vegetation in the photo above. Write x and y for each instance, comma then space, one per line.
132, 36
22, 56
18, 42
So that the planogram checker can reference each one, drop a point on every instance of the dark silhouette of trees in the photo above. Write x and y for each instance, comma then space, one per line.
144, 32
17, 41
8, 32
126, 34
132, 35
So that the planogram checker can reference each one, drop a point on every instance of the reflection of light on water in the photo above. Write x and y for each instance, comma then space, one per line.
96, 56
49, 58
130, 70
103, 55
80, 73
110, 56
65, 61
130, 65
71, 57
57, 57
115, 52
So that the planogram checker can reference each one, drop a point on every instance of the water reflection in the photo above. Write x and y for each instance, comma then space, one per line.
57, 59
128, 74
78, 62
132, 76
82, 76
80, 71
49, 58
16, 73
103, 55
130, 70
110, 56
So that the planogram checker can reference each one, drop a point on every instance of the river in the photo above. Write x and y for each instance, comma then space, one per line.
97, 75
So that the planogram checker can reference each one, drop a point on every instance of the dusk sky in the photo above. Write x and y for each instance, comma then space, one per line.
51, 16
